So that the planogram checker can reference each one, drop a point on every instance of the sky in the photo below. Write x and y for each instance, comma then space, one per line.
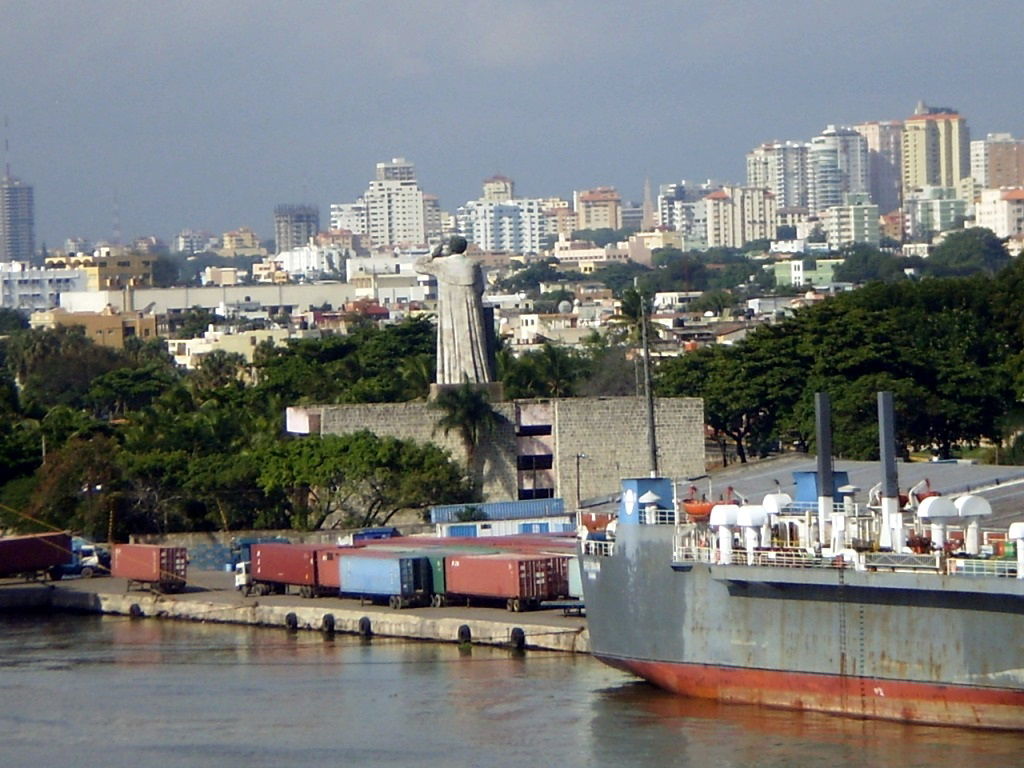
172, 115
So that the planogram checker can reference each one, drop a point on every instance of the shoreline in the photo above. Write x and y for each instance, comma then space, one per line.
210, 597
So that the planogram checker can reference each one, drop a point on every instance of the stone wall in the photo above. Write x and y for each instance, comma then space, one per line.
416, 421
612, 433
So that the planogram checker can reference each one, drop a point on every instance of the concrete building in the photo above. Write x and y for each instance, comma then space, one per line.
295, 225
854, 222
350, 216
240, 242
998, 161
837, 164
189, 241
936, 148
885, 162
312, 261
1002, 211
930, 210
395, 212
498, 189
108, 327
806, 271
599, 208
782, 168
17, 220
396, 169
739, 215
29, 288
188, 353
513, 225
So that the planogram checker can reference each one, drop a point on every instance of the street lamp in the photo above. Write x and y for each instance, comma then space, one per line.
578, 457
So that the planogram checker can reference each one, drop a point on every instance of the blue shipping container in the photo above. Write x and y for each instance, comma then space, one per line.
533, 528
407, 577
468, 530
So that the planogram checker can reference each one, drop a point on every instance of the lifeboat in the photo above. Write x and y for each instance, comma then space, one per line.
697, 511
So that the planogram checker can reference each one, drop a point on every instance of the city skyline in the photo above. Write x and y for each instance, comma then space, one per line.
182, 116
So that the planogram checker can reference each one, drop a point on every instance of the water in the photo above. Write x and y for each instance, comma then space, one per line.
112, 692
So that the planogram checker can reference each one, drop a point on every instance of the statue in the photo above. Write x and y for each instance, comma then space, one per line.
461, 333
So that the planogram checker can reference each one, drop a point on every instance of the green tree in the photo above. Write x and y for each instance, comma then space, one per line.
968, 252
466, 410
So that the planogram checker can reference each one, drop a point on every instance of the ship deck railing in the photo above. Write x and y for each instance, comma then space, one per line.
598, 548
959, 566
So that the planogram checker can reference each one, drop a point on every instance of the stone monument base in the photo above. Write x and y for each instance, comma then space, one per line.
495, 390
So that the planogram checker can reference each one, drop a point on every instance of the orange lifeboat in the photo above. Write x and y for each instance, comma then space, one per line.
697, 511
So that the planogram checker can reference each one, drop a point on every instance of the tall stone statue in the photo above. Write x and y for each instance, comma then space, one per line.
461, 333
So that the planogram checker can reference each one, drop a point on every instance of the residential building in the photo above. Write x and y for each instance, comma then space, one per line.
599, 208
998, 161
936, 148
837, 164
433, 219
397, 169
27, 288
188, 353
220, 276
930, 210
1002, 211
885, 163
395, 207
109, 327
17, 220
241, 242
295, 225
739, 215
108, 267
312, 261
856, 221
514, 225
350, 216
558, 221
806, 271
189, 241
782, 168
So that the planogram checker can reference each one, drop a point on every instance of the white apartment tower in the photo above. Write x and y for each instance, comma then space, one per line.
515, 226
395, 213
837, 164
782, 169
736, 216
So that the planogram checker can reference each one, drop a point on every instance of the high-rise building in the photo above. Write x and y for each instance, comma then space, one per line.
885, 152
936, 148
736, 216
855, 221
998, 161
398, 169
395, 213
781, 168
599, 208
930, 210
17, 220
837, 165
294, 225
1002, 211
350, 216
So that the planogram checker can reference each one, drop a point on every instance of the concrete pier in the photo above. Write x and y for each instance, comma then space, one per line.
209, 598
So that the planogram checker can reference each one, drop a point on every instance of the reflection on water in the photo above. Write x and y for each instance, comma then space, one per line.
132, 693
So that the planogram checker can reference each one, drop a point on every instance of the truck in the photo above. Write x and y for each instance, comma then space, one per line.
33, 556
87, 560
276, 566
164, 569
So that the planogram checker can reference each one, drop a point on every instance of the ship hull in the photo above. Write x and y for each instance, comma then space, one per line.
919, 648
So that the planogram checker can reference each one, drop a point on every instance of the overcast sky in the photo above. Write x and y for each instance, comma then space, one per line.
204, 115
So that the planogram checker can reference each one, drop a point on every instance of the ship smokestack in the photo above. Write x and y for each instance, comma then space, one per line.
826, 489
891, 535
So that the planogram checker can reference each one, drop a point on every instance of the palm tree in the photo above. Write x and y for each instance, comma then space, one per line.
467, 410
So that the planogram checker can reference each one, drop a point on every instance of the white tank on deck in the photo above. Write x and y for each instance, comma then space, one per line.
774, 503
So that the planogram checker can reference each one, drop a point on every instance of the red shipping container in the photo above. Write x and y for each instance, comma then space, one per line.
302, 565
33, 553
151, 564
524, 578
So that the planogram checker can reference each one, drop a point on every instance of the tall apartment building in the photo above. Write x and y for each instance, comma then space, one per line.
515, 225
395, 212
837, 165
936, 148
350, 216
598, 208
885, 153
736, 216
397, 169
998, 161
17, 220
930, 210
294, 225
781, 167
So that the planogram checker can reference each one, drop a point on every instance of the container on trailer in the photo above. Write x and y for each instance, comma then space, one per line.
523, 581
34, 553
165, 567
281, 563
404, 580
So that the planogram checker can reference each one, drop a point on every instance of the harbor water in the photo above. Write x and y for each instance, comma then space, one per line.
115, 692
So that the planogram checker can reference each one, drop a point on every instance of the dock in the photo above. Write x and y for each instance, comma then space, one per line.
210, 597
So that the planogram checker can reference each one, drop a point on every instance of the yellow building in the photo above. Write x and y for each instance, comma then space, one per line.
936, 149
108, 328
109, 267
240, 242
599, 208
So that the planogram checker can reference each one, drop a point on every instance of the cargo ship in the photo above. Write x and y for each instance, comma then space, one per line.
815, 602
